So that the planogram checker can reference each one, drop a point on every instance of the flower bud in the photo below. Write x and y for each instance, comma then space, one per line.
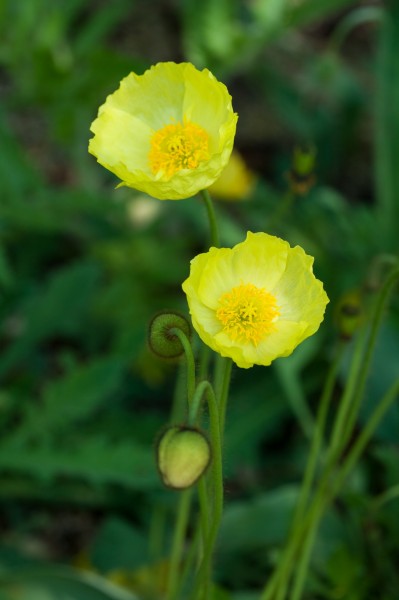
349, 314
301, 176
183, 455
162, 341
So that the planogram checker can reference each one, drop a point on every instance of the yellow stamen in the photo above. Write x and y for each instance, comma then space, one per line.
176, 147
247, 313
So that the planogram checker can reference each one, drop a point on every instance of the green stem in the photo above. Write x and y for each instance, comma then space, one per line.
305, 555
371, 342
190, 361
178, 543
346, 399
156, 534
317, 440
203, 579
330, 488
215, 241
204, 507
183, 510
382, 407
282, 573
355, 18
294, 392
222, 390
354, 388
390, 494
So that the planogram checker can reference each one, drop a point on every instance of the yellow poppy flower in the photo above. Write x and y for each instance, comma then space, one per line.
255, 302
168, 132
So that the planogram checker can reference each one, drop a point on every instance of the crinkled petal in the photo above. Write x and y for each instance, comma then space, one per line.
167, 93
300, 296
269, 263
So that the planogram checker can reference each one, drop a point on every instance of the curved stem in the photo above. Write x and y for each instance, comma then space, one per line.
354, 19
190, 361
215, 241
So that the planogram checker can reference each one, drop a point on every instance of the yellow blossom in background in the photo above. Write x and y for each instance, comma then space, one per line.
236, 181
168, 133
255, 302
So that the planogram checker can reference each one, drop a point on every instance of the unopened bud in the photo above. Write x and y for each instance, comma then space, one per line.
183, 455
301, 176
349, 314
162, 340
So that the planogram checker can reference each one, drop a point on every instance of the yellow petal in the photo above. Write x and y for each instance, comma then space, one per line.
166, 94
240, 327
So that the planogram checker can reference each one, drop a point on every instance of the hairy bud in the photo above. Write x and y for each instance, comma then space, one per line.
163, 341
183, 455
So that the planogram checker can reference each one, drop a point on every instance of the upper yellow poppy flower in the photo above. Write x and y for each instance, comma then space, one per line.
256, 301
168, 132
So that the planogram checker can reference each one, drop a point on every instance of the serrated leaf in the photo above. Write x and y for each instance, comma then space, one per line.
59, 306
125, 463
59, 583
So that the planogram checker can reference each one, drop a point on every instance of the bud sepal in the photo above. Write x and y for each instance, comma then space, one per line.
162, 339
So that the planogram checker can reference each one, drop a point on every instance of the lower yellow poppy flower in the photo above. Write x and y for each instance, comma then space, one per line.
168, 133
255, 302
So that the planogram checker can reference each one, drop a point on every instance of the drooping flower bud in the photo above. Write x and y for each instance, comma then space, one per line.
162, 340
183, 455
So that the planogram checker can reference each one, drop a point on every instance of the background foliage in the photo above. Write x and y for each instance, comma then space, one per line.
83, 267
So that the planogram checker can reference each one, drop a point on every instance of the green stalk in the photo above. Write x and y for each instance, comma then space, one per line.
277, 586
348, 393
190, 361
337, 483
179, 535
329, 489
222, 391
203, 579
215, 240
317, 440
183, 510
382, 300
282, 574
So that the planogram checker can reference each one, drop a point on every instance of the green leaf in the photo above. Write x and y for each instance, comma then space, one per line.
60, 306
96, 461
262, 521
59, 583
118, 545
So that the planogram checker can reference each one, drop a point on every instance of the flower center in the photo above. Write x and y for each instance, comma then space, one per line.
176, 147
247, 313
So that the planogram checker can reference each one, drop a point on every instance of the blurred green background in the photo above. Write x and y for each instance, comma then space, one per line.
83, 268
